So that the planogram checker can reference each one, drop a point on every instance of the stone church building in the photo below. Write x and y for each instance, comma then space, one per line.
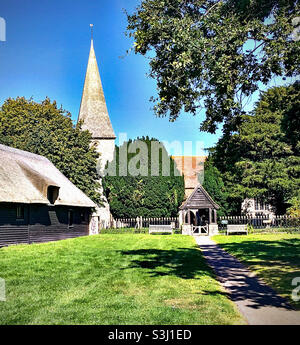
94, 117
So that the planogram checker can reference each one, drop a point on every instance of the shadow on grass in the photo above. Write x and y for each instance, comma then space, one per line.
285, 250
185, 263
189, 263
276, 259
280, 262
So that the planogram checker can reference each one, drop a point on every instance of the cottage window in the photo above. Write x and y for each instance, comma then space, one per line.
52, 194
70, 218
83, 216
20, 212
260, 205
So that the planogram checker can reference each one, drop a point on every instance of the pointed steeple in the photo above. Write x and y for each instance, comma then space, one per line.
93, 111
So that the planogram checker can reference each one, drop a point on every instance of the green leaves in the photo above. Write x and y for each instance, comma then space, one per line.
214, 185
44, 129
144, 194
262, 159
213, 53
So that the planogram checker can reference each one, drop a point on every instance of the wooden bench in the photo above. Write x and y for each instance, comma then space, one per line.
160, 228
268, 222
234, 228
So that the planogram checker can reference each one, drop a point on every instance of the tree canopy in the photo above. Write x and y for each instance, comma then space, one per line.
214, 185
214, 54
47, 130
138, 189
261, 159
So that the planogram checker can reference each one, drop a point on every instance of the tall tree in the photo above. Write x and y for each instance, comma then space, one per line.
47, 130
142, 183
213, 54
261, 159
214, 185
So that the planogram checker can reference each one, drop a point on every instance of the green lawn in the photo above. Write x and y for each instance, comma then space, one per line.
274, 257
112, 279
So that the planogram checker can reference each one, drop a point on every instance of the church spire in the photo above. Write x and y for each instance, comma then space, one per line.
93, 111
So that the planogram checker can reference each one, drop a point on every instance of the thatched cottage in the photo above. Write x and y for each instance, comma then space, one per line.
37, 202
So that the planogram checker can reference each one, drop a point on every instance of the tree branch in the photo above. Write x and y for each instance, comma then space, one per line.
211, 8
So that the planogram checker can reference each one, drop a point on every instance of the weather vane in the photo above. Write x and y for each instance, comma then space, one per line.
92, 26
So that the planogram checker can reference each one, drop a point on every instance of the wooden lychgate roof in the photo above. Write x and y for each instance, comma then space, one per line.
199, 199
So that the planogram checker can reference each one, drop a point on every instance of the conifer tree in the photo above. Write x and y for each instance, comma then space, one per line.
144, 194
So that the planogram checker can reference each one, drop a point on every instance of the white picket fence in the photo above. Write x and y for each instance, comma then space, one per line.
144, 222
260, 222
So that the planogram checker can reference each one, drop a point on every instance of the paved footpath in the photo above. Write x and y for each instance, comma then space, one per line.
257, 302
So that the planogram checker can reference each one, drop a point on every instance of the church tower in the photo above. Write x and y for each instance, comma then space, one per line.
94, 116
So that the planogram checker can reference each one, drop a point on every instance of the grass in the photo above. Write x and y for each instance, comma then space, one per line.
274, 257
112, 279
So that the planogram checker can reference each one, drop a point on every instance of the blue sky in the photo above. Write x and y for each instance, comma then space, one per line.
46, 52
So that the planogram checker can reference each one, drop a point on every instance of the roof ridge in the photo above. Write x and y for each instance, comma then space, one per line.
25, 177
22, 153
204, 192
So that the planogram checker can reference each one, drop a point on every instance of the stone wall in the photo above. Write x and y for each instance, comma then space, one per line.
106, 148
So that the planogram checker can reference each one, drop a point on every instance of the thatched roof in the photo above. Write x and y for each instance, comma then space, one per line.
93, 111
25, 178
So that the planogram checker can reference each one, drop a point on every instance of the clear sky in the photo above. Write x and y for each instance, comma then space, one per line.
46, 53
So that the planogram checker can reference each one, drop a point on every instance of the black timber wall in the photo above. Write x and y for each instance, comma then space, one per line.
41, 223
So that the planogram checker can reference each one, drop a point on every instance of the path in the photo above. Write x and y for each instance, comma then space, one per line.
258, 303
